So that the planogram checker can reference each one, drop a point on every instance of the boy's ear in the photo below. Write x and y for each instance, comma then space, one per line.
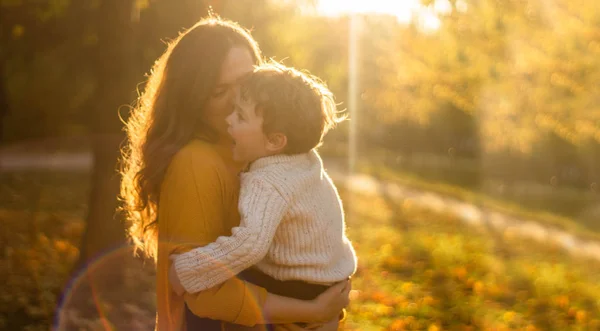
276, 142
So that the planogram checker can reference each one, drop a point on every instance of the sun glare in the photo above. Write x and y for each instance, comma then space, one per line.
405, 11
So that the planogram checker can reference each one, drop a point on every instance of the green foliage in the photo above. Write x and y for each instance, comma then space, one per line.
420, 270
520, 72
68, 67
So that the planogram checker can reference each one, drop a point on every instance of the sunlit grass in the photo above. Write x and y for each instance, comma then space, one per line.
374, 162
418, 270
425, 271
483, 199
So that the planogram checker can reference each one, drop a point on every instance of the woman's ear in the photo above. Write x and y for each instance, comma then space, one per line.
276, 142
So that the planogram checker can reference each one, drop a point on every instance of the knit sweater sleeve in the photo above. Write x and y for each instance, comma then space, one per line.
261, 208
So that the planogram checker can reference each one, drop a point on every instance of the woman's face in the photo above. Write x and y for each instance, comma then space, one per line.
237, 64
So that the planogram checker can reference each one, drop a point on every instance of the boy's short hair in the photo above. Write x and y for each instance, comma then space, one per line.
292, 102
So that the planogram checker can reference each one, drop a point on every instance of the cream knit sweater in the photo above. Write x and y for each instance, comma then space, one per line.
292, 228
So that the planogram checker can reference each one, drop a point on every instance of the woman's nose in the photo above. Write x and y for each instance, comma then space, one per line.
229, 101
231, 94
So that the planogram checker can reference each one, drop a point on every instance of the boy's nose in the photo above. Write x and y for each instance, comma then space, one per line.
228, 118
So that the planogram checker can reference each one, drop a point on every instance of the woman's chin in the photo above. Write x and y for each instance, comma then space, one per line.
237, 157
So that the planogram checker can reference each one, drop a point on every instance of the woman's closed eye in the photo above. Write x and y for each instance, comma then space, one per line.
219, 92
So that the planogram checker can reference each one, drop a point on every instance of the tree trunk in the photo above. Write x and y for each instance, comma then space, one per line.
3, 100
116, 74
104, 255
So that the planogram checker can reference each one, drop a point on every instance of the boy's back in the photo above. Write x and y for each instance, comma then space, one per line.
309, 243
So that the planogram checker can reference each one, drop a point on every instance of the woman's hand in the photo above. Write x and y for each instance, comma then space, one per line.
332, 325
174, 279
329, 304
321, 310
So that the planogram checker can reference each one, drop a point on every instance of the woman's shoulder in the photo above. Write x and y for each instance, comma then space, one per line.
198, 150
197, 154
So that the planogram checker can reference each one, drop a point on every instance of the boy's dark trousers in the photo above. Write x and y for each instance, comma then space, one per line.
288, 288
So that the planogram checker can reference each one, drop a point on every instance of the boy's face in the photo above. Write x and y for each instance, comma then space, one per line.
245, 127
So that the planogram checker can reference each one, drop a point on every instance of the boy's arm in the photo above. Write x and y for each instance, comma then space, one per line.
262, 208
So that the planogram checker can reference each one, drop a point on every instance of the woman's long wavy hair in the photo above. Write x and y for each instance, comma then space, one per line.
168, 113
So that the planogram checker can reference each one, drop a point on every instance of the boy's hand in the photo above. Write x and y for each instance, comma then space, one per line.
174, 279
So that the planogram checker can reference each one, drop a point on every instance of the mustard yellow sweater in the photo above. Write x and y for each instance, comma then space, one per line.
198, 203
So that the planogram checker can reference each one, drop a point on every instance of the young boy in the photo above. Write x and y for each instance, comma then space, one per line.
292, 230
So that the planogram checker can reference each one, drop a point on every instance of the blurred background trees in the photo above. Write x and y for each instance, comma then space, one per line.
496, 92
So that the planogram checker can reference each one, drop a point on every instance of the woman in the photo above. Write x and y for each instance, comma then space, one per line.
178, 167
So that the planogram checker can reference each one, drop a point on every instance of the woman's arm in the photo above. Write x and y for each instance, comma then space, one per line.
191, 214
188, 205
262, 209
327, 306
279, 309
283, 310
